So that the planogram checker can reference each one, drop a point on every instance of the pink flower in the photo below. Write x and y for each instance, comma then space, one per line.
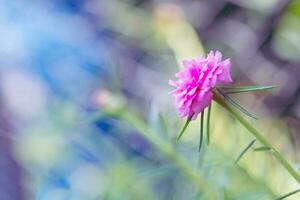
195, 82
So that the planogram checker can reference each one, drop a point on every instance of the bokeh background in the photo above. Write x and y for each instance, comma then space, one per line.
63, 62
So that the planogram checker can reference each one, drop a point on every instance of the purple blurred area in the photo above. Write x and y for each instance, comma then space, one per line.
10, 171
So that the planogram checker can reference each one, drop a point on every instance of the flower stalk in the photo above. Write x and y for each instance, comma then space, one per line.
219, 98
167, 150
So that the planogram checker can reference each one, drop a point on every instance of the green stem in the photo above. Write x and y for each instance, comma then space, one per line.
208, 124
168, 150
289, 194
201, 130
220, 99
244, 151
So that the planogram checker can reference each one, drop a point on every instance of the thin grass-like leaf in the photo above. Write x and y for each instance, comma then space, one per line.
238, 106
201, 130
262, 149
184, 128
208, 124
254, 88
244, 151
288, 194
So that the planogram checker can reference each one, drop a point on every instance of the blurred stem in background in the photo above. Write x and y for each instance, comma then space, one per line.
166, 149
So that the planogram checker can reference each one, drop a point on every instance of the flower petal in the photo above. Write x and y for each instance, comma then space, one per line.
193, 89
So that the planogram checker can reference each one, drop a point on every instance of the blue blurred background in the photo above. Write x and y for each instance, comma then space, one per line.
61, 61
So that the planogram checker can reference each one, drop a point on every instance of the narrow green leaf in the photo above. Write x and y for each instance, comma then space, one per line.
184, 128
238, 106
262, 149
201, 130
244, 151
232, 90
208, 124
288, 194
